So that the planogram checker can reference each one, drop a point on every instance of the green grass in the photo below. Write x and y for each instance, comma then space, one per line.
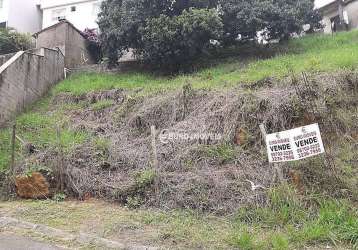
103, 104
223, 153
288, 221
39, 127
323, 222
313, 53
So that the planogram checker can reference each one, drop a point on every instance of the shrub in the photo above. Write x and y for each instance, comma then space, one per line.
59, 197
145, 178
274, 19
93, 44
12, 41
159, 31
166, 32
175, 41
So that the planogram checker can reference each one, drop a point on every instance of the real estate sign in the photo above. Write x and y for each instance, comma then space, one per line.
295, 144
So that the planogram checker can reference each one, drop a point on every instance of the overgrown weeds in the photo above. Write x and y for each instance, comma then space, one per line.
299, 221
324, 223
105, 147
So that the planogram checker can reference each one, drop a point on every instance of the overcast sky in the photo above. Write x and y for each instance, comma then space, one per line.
320, 3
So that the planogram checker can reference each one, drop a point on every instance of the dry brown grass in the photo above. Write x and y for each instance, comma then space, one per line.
33, 186
209, 175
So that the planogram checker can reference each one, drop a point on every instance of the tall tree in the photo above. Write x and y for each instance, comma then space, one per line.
126, 24
276, 19
141, 24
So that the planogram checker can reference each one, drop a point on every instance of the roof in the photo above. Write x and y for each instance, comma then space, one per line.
56, 25
330, 3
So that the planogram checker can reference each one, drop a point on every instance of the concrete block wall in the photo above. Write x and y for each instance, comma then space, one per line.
5, 58
26, 77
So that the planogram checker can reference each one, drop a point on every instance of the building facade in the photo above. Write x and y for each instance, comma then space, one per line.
81, 13
66, 37
23, 15
340, 15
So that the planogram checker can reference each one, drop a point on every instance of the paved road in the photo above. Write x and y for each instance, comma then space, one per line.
13, 242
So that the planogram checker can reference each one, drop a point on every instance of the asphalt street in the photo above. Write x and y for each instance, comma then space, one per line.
10, 241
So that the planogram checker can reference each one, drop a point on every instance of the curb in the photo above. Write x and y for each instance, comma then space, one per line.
81, 238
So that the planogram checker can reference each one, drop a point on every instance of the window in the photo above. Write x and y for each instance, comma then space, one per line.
58, 14
3, 25
73, 8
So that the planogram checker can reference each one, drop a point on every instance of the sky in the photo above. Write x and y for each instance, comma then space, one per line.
320, 3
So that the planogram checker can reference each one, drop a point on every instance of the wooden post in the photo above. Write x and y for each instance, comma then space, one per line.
155, 162
187, 89
276, 166
60, 170
13, 142
154, 147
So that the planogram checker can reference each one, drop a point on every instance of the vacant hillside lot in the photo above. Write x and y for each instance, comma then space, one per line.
319, 53
98, 127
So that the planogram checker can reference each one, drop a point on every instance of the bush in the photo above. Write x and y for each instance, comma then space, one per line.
175, 41
160, 32
12, 41
93, 44
172, 33
274, 19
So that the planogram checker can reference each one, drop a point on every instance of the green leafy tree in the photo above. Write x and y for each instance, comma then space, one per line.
175, 41
139, 24
277, 19
12, 41
172, 32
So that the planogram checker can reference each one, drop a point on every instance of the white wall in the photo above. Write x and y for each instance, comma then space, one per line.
4, 11
351, 9
55, 3
321, 3
22, 15
84, 17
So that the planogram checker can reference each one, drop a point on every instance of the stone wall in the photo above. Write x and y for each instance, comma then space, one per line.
26, 77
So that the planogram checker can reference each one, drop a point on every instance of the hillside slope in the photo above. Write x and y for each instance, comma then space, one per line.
98, 127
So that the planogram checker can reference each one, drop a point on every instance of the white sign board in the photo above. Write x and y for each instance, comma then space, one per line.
294, 144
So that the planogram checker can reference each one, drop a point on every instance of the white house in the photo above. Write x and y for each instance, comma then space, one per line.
81, 13
23, 15
339, 15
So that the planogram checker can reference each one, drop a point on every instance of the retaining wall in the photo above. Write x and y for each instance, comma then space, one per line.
26, 77
5, 58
